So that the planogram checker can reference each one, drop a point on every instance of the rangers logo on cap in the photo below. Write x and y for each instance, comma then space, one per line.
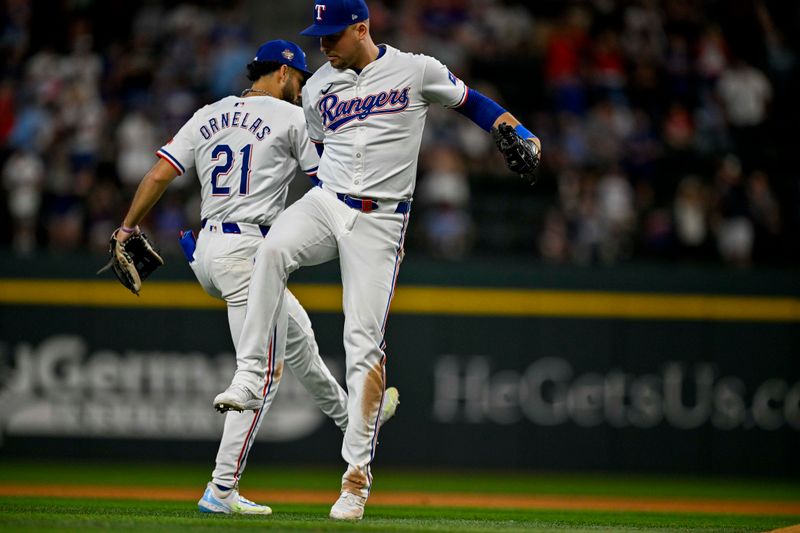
332, 16
288, 54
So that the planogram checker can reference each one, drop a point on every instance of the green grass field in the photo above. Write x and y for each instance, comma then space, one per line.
47, 513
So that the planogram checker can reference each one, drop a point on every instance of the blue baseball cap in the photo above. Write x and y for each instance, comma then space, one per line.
332, 16
285, 53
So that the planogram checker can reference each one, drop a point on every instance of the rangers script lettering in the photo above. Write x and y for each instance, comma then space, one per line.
336, 114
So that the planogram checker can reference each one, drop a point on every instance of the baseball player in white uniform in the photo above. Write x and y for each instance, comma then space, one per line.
246, 150
365, 111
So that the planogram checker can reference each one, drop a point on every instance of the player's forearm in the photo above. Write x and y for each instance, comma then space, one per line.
147, 195
150, 190
488, 114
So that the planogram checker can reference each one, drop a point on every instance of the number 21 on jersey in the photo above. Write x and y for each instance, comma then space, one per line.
227, 161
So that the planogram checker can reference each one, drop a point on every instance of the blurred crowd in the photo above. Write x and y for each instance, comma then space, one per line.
667, 125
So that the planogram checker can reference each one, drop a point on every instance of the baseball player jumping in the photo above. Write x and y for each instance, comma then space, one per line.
365, 110
246, 150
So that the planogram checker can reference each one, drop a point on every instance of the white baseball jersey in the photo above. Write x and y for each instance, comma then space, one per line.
372, 122
246, 151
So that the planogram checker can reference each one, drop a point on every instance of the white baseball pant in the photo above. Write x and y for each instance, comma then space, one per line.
316, 229
223, 265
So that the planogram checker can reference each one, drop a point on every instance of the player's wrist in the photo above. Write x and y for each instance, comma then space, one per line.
129, 230
123, 233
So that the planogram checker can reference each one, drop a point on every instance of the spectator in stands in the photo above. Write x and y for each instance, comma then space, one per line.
23, 177
733, 227
745, 93
690, 213
443, 194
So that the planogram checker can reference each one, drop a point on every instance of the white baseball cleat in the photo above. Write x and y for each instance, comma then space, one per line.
391, 399
215, 500
238, 398
349, 506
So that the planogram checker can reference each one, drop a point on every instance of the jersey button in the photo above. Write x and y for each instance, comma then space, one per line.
357, 182
358, 155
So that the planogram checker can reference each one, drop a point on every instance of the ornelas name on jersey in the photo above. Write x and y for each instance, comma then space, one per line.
337, 113
235, 120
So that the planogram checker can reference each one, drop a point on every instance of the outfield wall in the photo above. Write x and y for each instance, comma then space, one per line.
499, 364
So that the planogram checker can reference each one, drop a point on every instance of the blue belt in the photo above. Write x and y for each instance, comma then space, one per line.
233, 227
365, 205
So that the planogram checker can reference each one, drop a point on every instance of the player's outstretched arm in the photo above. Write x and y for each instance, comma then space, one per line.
520, 148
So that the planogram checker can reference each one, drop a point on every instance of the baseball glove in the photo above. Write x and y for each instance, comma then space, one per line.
521, 155
132, 261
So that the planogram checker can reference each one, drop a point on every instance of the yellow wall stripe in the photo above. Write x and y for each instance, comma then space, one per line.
424, 300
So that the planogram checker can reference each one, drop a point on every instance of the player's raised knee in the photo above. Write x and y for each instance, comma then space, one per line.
273, 254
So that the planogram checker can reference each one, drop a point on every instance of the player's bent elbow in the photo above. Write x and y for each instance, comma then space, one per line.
162, 172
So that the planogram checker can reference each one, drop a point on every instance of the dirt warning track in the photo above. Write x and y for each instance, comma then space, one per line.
427, 499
